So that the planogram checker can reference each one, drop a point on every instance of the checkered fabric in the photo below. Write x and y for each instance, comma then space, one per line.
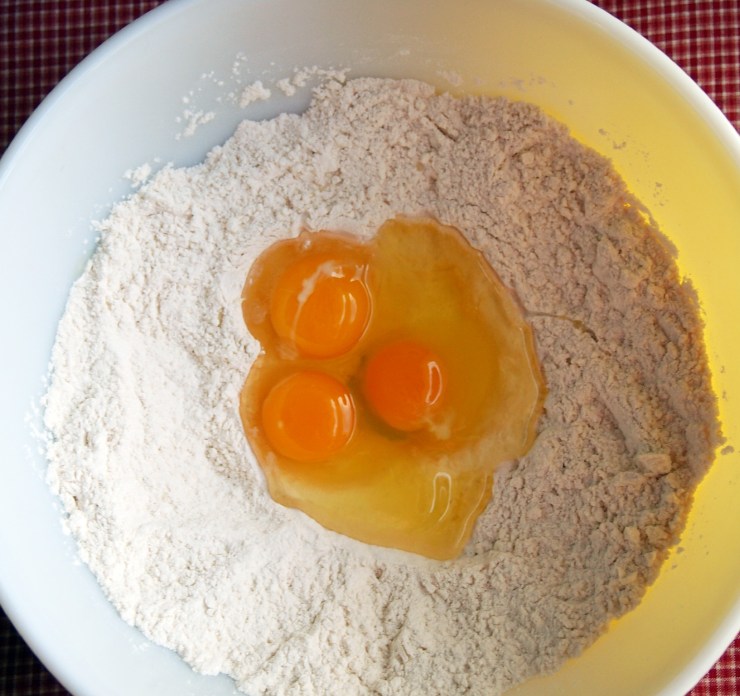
42, 40
702, 36
21, 674
724, 678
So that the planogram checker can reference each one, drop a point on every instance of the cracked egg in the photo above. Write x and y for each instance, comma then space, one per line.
396, 374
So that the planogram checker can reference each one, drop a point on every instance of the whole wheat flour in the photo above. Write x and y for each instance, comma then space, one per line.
169, 508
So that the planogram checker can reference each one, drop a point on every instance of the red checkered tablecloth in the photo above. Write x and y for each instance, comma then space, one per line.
41, 40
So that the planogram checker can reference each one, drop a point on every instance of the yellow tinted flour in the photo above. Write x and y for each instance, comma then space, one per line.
169, 508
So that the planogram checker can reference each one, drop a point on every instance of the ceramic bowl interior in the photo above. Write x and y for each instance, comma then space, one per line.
126, 105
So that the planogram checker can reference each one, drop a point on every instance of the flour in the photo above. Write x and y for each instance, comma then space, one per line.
253, 93
193, 120
138, 176
170, 509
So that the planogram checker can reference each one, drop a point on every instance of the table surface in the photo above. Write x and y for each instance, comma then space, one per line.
42, 40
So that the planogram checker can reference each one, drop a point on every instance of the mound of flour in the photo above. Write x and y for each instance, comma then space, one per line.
170, 509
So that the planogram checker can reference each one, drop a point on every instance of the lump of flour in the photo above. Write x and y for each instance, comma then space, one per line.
169, 508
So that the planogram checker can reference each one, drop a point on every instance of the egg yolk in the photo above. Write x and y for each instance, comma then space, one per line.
321, 305
404, 384
396, 373
308, 416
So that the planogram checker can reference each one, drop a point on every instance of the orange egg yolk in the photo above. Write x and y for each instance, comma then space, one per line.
321, 305
308, 416
404, 384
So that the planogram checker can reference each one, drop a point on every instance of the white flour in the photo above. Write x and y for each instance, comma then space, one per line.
169, 507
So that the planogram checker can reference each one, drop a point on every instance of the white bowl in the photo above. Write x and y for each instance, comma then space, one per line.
121, 107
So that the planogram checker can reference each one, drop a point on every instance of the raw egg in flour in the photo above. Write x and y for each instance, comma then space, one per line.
395, 375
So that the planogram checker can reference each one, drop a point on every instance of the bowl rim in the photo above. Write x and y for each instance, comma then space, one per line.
719, 124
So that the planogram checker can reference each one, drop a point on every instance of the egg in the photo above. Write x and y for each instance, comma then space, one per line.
396, 374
